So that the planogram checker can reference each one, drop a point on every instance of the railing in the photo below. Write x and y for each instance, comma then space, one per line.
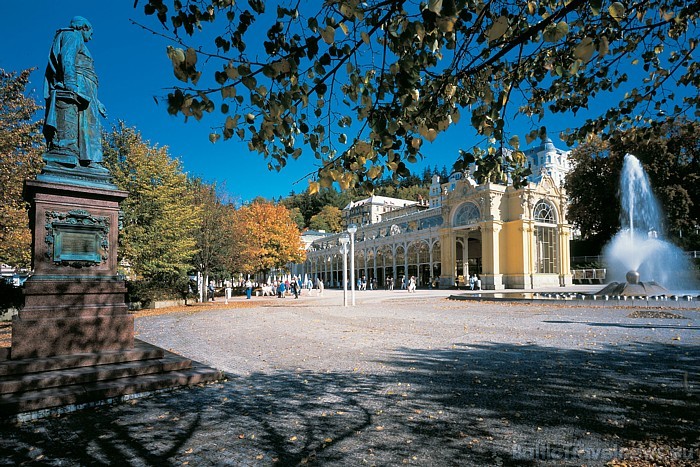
588, 276
599, 258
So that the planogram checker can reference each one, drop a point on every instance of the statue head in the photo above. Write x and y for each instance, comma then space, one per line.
83, 25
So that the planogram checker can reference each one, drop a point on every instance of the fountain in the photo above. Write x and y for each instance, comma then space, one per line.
638, 250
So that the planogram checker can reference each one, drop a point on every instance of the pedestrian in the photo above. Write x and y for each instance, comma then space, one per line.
281, 289
472, 280
320, 286
411, 284
295, 288
248, 289
210, 291
227, 293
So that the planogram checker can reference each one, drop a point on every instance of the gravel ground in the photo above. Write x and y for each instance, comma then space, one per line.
399, 379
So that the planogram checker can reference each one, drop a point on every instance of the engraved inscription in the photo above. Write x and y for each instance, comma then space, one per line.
77, 238
76, 243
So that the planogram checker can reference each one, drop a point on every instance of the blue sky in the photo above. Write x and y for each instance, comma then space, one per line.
133, 68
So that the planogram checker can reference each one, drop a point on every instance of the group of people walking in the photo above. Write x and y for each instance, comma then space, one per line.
296, 286
474, 282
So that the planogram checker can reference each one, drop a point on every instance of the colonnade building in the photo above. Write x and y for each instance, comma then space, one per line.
510, 238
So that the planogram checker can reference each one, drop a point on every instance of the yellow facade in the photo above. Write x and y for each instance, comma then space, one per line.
509, 238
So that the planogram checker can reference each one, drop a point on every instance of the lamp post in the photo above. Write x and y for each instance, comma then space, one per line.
352, 228
344, 239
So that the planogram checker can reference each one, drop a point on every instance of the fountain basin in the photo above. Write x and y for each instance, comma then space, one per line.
639, 289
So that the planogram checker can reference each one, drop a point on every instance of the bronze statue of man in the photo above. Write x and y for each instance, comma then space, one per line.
72, 126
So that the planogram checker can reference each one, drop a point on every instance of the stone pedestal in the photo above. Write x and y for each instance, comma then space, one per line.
74, 302
73, 341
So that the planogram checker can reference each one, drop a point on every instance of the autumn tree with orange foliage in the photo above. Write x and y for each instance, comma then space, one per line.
20, 159
264, 236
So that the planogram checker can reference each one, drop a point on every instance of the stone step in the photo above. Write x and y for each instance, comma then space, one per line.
141, 351
89, 374
77, 395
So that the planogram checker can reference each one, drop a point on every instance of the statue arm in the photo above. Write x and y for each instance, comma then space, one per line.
101, 108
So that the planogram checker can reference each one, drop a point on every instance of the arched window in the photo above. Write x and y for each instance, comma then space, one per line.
467, 214
545, 239
544, 213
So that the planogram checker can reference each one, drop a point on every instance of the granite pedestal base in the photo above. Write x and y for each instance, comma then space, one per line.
73, 341
74, 301
63, 317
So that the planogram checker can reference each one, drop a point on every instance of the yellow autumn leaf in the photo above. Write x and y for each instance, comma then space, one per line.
313, 187
531, 8
617, 11
584, 50
365, 37
497, 29
603, 46
328, 35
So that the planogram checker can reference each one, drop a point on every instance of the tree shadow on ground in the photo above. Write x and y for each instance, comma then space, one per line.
487, 404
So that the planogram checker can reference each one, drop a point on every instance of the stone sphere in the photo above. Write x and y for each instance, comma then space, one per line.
632, 277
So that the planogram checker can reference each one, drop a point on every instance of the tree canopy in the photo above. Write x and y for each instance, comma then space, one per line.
20, 159
329, 219
160, 214
213, 247
265, 236
363, 84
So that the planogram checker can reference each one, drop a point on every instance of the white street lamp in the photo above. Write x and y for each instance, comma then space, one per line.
344, 239
352, 228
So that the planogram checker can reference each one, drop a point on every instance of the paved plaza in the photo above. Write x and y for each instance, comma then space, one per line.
401, 379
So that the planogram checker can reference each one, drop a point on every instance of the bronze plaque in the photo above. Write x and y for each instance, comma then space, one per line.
77, 244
